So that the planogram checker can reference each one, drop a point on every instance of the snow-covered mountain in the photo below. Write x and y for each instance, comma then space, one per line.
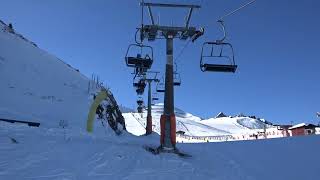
195, 126
37, 86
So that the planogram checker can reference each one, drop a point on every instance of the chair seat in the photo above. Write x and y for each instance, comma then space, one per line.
219, 68
140, 62
160, 90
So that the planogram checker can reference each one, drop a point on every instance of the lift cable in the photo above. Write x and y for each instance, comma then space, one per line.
236, 10
220, 21
182, 50
231, 12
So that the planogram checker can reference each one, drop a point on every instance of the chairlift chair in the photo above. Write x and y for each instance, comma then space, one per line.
140, 101
226, 53
140, 91
155, 97
140, 109
140, 61
176, 76
177, 79
160, 87
139, 85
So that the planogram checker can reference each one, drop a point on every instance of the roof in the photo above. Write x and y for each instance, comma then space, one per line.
302, 125
283, 126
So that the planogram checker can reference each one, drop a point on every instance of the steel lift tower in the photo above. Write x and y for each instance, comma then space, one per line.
149, 116
152, 32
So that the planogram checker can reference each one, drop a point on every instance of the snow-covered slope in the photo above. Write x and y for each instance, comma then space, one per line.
236, 125
194, 126
48, 154
37, 86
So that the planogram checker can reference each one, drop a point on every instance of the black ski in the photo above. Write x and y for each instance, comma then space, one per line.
159, 150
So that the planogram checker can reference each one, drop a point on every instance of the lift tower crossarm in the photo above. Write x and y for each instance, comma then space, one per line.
184, 29
170, 5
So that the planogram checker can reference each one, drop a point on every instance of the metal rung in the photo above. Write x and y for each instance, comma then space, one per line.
219, 68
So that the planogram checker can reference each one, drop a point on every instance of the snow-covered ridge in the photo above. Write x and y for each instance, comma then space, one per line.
192, 125
37, 86
5, 28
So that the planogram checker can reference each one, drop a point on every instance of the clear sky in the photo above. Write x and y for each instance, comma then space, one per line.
276, 47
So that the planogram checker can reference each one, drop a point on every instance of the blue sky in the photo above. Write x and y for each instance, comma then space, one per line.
276, 48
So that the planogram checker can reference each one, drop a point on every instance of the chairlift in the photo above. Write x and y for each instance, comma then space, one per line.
143, 60
140, 109
176, 76
155, 97
140, 91
160, 86
140, 101
225, 54
177, 79
140, 85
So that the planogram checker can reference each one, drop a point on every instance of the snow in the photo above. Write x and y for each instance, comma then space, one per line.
37, 86
46, 153
298, 125
135, 126
195, 126
186, 122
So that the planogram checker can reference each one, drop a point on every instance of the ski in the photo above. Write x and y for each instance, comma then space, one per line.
159, 150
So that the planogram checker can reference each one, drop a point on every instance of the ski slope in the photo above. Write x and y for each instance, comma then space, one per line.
37, 86
235, 125
52, 153
193, 125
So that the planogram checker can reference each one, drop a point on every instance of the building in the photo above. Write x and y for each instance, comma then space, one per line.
302, 129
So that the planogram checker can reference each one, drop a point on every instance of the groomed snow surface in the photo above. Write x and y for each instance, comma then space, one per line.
51, 153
